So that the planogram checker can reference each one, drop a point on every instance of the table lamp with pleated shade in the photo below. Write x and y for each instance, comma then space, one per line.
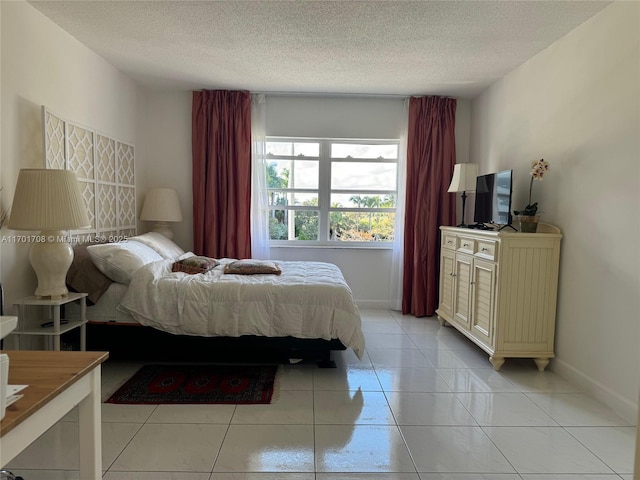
49, 201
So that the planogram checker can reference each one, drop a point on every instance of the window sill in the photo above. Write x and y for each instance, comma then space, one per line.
316, 246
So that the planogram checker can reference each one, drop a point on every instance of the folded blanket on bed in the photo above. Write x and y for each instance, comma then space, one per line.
252, 267
194, 264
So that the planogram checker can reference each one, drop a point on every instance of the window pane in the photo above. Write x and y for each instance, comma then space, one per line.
305, 174
279, 148
293, 149
363, 176
360, 200
343, 150
292, 174
293, 225
362, 226
278, 173
307, 149
282, 197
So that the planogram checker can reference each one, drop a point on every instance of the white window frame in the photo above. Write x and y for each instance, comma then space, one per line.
325, 163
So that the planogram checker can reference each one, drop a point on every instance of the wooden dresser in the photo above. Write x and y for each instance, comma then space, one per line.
500, 289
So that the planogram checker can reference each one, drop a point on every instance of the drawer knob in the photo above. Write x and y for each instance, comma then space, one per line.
465, 244
484, 249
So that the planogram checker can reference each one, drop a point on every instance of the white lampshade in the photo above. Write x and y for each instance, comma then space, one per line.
49, 200
464, 178
161, 205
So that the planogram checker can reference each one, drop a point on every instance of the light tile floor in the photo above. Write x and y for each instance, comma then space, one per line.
424, 404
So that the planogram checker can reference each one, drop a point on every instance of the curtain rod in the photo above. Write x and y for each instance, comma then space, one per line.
351, 95
276, 93
330, 94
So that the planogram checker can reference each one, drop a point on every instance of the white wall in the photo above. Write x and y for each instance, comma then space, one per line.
334, 116
577, 105
44, 65
164, 159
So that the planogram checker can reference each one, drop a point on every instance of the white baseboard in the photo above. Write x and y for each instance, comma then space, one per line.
624, 407
373, 304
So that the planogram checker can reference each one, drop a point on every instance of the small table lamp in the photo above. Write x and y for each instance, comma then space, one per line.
161, 205
50, 201
464, 180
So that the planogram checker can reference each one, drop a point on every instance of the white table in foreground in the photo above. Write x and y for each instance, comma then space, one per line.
58, 381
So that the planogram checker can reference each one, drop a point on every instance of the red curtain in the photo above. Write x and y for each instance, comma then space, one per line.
221, 145
431, 156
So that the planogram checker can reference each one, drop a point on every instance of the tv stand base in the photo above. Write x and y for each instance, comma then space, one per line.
480, 226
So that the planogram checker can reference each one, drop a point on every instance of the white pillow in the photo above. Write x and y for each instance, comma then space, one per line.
185, 256
119, 261
161, 244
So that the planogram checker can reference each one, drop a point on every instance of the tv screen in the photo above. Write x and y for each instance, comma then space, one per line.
493, 198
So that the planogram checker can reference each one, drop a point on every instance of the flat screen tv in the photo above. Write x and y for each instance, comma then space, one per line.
493, 198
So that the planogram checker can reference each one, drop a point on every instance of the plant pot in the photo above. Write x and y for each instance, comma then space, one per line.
528, 223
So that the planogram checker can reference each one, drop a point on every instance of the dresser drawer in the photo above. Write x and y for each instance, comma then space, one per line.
487, 249
449, 241
466, 245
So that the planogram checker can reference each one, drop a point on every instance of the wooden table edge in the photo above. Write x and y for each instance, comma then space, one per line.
35, 396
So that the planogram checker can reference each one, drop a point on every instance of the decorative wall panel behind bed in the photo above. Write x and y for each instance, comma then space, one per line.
105, 168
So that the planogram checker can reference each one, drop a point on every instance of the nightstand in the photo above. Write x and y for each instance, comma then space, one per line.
52, 326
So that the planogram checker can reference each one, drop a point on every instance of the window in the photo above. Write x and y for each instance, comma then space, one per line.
332, 191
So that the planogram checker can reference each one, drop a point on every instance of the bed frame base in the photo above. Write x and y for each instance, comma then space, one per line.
137, 342
326, 363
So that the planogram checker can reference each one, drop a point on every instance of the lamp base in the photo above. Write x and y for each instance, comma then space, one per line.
164, 229
51, 260
464, 201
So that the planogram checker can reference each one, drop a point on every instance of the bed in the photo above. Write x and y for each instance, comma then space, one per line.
147, 299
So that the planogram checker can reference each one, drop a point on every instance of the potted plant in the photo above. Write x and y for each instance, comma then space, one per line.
528, 215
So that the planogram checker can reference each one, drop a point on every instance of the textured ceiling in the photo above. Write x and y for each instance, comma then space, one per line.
364, 47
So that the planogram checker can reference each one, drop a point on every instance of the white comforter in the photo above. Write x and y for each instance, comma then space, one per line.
308, 300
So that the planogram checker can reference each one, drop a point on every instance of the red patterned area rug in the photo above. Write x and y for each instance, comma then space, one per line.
164, 384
